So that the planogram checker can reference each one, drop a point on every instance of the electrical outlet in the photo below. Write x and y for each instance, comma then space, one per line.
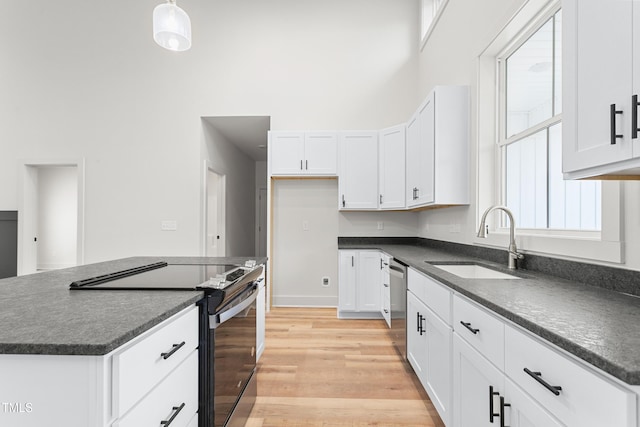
305, 225
380, 225
325, 281
169, 225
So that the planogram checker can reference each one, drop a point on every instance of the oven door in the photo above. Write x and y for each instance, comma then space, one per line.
233, 339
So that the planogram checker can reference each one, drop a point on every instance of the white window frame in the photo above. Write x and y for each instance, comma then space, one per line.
605, 245
426, 28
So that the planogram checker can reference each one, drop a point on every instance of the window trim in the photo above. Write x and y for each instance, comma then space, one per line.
434, 21
608, 246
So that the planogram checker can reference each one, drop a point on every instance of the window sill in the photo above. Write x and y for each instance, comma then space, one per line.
574, 248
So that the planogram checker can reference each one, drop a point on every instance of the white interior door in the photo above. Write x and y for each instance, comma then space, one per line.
261, 239
215, 213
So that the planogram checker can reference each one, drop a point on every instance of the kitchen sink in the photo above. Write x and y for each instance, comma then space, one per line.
474, 271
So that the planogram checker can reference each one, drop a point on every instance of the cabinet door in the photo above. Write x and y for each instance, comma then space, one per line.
597, 72
286, 153
417, 337
369, 280
392, 167
439, 374
347, 281
426, 151
412, 160
472, 377
358, 170
523, 410
320, 153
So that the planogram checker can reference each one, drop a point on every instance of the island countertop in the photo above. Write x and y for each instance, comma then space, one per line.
40, 315
597, 325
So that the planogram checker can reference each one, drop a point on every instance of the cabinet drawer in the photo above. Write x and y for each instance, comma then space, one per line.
488, 338
138, 368
176, 396
386, 309
586, 398
435, 295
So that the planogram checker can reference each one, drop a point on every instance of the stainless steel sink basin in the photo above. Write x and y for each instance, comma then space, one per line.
474, 271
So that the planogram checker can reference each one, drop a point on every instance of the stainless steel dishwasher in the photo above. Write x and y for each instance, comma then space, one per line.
398, 304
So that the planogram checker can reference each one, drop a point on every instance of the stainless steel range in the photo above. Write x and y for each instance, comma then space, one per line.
227, 347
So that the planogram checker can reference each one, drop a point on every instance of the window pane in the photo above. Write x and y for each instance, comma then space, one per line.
573, 205
526, 189
557, 64
530, 81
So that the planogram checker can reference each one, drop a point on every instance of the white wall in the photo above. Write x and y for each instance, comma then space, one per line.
57, 216
240, 203
365, 224
305, 242
84, 79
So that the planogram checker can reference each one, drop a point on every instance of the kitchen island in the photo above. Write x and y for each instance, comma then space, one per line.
69, 357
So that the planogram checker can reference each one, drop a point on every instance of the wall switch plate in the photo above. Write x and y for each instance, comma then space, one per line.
380, 225
305, 225
325, 281
169, 225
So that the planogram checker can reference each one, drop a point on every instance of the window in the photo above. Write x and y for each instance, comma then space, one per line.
530, 137
429, 12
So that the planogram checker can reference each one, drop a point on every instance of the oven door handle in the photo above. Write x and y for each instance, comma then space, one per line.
219, 319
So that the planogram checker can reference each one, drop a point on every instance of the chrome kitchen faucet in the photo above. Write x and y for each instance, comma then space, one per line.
514, 255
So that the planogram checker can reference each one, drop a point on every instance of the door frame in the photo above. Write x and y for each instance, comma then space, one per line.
27, 193
205, 208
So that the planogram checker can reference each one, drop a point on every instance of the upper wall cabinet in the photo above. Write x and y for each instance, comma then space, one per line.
303, 153
358, 171
437, 150
392, 167
601, 84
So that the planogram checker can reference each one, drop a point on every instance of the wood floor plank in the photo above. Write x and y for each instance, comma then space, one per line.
318, 370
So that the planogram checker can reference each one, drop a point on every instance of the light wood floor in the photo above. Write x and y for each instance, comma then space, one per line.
317, 370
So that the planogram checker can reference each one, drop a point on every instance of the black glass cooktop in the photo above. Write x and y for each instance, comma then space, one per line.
163, 276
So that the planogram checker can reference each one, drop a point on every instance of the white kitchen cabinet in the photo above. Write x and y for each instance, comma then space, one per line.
121, 388
359, 284
437, 145
599, 81
392, 168
303, 153
473, 375
429, 339
358, 171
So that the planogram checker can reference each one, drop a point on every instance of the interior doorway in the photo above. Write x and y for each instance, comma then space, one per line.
215, 213
50, 232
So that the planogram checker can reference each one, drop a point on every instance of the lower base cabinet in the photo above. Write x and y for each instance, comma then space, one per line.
360, 279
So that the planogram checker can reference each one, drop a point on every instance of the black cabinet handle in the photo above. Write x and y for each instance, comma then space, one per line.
343, 202
502, 405
422, 330
353, 261
386, 311
613, 113
381, 199
177, 410
419, 320
175, 348
468, 326
634, 116
538, 377
301, 164
306, 164
491, 413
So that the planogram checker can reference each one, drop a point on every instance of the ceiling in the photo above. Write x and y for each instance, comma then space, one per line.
248, 133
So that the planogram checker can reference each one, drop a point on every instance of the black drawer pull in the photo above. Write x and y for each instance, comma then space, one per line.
634, 117
386, 311
502, 405
491, 413
538, 377
613, 113
175, 348
468, 326
177, 410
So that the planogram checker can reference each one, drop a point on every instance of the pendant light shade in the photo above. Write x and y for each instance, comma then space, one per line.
171, 27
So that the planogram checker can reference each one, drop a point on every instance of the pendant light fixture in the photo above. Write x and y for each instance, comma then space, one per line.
171, 27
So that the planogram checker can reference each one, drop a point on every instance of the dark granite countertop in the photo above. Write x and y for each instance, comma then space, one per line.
40, 315
596, 324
